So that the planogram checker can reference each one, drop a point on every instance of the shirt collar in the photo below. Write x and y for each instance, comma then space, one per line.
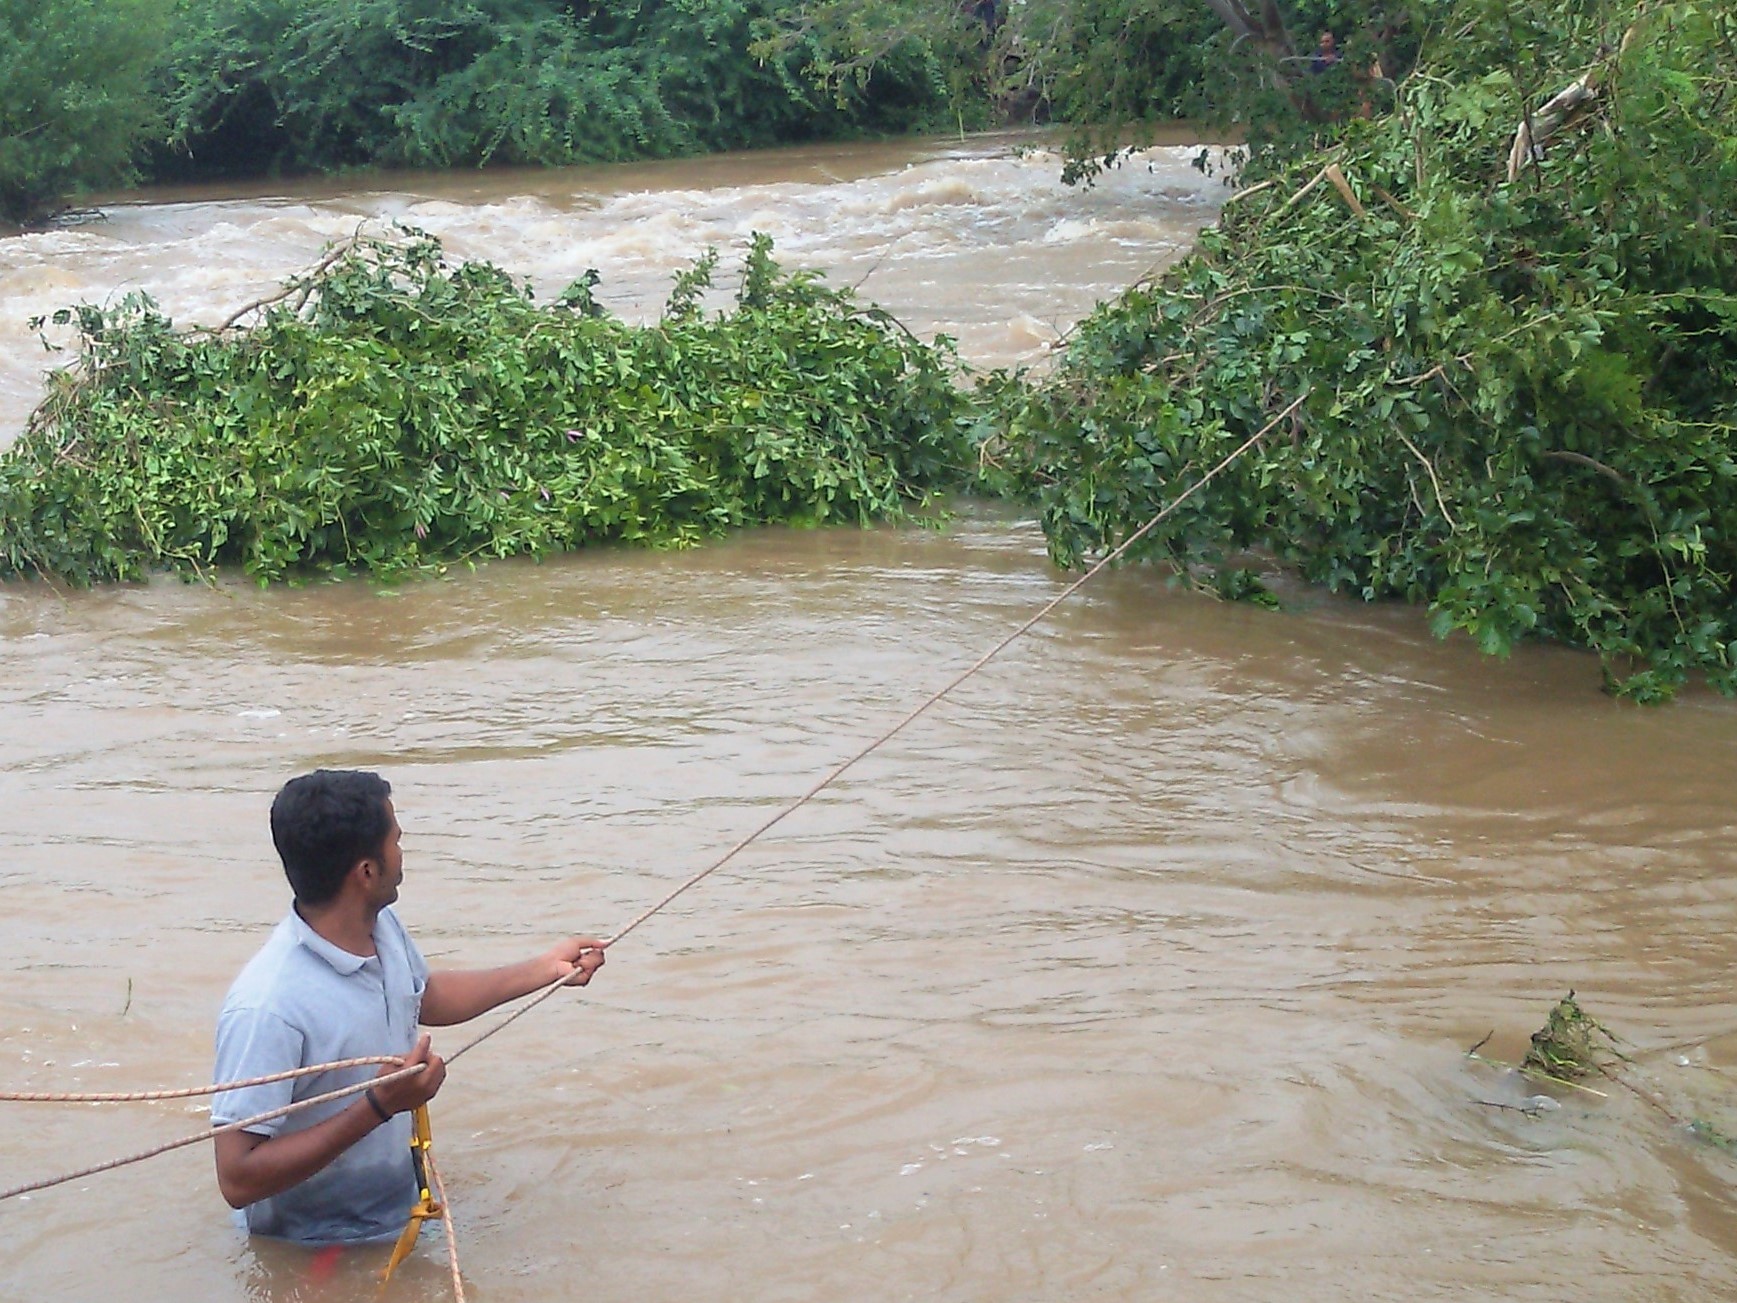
342, 961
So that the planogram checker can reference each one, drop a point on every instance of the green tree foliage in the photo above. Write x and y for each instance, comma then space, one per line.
312, 84
390, 412
1112, 63
75, 98
1520, 363
1109, 67
849, 49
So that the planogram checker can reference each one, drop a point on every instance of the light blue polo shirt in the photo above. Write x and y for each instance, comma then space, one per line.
302, 1000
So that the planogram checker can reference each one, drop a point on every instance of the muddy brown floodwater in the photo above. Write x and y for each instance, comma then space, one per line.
1140, 969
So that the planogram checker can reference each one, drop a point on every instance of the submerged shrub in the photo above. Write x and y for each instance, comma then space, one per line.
1520, 358
390, 411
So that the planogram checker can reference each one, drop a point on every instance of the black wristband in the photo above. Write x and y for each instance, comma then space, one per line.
374, 1102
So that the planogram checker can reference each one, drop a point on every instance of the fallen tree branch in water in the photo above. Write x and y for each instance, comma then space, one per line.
306, 284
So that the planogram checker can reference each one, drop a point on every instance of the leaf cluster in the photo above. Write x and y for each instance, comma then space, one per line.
1521, 391
390, 412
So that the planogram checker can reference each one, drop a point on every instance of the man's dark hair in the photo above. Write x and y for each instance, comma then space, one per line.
323, 823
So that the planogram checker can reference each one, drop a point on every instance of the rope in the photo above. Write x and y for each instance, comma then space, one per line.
838, 770
212, 1132
186, 1092
446, 1225
765, 826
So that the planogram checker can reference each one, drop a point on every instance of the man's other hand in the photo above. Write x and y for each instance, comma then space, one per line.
412, 1092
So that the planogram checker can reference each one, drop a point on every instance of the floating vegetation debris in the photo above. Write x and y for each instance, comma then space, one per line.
1702, 1129
1571, 1044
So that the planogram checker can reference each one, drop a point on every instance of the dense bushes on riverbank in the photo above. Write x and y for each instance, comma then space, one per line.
75, 97
1520, 365
1257, 74
391, 412
89, 88
257, 85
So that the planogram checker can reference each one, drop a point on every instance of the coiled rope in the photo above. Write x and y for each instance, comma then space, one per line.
765, 826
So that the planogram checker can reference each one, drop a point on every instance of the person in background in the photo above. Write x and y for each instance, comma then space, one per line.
1326, 53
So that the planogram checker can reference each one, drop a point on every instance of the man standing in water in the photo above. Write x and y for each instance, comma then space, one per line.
340, 979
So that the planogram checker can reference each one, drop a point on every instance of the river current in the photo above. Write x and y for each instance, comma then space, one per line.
1142, 968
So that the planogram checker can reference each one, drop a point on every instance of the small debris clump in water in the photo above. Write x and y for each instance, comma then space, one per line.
1571, 1044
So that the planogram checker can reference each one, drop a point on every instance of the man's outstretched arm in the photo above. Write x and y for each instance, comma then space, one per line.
251, 1167
458, 996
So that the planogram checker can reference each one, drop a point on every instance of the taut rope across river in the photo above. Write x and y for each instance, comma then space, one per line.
772, 821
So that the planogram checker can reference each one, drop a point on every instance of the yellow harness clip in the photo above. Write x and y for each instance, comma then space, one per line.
421, 1143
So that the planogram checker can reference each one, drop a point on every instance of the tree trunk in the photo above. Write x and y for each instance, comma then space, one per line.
1265, 29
